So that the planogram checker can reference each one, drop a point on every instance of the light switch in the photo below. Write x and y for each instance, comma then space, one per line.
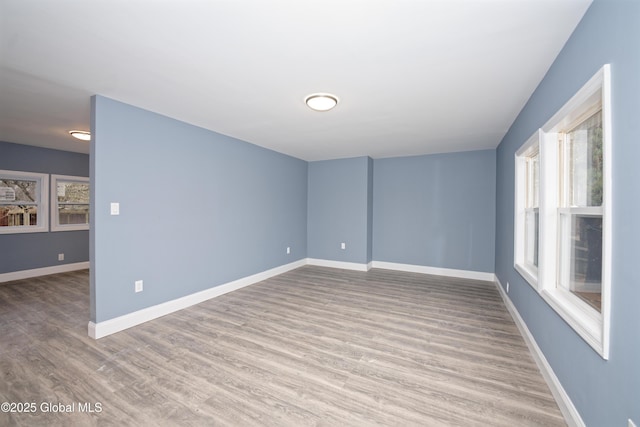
115, 208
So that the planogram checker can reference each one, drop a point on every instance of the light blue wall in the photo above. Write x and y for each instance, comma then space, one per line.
435, 210
197, 209
338, 210
606, 393
37, 250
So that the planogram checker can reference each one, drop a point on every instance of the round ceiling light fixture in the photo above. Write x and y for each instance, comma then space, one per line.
321, 101
80, 134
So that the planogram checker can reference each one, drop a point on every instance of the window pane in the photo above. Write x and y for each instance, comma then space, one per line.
23, 202
73, 192
532, 224
533, 181
581, 246
21, 194
71, 203
73, 214
585, 162
18, 190
18, 215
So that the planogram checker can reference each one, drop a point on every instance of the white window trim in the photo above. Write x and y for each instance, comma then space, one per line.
55, 217
42, 203
591, 325
519, 263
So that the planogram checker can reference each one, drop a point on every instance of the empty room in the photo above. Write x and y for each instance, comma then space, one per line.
310, 213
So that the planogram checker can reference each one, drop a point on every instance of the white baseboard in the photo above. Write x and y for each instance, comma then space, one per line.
437, 271
339, 264
569, 411
44, 271
111, 326
449, 272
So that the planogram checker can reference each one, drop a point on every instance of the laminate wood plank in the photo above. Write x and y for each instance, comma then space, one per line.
312, 347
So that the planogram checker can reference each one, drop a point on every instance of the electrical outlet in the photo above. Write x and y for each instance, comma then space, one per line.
631, 423
288, 250
507, 287
60, 257
139, 285
343, 245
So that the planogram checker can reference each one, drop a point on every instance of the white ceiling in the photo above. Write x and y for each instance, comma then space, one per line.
413, 77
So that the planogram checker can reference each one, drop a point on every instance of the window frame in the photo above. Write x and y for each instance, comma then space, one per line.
591, 325
42, 198
55, 217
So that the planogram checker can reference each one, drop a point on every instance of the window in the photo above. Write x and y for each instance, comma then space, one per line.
563, 211
23, 202
527, 209
532, 217
70, 203
580, 211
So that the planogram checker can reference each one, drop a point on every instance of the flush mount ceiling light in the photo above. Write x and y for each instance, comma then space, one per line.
80, 134
321, 101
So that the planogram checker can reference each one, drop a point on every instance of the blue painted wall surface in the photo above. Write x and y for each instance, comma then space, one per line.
435, 210
606, 393
197, 209
338, 210
26, 251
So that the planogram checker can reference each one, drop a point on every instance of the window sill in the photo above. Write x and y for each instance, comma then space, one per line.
529, 275
23, 229
586, 321
70, 227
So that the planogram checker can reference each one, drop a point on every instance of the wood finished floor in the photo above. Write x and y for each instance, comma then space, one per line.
312, 347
